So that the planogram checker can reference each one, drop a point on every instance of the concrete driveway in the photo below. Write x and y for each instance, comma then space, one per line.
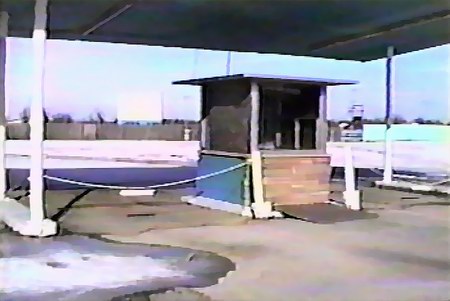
402, 255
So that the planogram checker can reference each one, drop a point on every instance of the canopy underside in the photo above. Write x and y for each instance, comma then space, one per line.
350, 29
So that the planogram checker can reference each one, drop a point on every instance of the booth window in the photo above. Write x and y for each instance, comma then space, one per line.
288, 117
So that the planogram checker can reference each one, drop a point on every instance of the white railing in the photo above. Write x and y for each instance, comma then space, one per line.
105, 153
406, 155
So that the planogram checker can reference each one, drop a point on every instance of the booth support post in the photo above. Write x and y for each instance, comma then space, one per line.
4, 17
247, 212
38, 224
278, 136
261, 208
297, 130
321, 122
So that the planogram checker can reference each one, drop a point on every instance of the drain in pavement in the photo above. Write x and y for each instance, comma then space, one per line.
140, 214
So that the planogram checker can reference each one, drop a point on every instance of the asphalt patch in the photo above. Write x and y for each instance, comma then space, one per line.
322, 213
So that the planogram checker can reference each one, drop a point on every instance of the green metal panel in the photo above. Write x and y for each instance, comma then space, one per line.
228, 187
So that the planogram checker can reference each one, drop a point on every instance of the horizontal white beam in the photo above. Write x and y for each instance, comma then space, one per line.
406, 155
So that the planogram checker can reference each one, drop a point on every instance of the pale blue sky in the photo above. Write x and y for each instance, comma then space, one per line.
82, 77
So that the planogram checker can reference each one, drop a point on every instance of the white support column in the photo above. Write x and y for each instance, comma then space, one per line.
38, 225
4, 17
351, 195
387, 171
387, 174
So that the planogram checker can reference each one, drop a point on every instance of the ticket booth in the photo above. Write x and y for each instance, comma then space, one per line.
278, 125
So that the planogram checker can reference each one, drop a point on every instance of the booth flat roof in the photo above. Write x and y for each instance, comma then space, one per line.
267, 78
342, 29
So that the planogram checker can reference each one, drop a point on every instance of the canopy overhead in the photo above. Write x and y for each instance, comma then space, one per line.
351, 29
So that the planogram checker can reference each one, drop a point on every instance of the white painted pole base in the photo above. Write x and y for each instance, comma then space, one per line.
388, 152
45, 228
150, 192
247, 212
265, 210
17, 216
353, 199
352, 196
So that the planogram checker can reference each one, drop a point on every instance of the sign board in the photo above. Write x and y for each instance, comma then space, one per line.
357, 110
352, 135
140, 107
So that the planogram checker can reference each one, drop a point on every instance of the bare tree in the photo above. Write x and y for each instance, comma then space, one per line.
62, 118
399, 120
100, 118
46, 119
25, 115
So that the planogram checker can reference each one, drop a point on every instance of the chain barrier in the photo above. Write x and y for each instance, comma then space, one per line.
169, 184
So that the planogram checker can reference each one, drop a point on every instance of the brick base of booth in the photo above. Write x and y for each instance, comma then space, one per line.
300, 179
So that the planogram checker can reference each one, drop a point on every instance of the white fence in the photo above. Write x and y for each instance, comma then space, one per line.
407, 155
105, 153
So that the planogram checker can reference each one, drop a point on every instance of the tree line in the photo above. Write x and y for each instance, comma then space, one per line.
395, 120
96, 118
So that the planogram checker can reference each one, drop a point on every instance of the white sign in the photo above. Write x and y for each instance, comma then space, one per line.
140, 107
352, 135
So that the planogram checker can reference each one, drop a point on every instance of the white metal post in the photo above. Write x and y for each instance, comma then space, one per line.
351, 195
38, 225
387, 174
4, 17
349, 170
